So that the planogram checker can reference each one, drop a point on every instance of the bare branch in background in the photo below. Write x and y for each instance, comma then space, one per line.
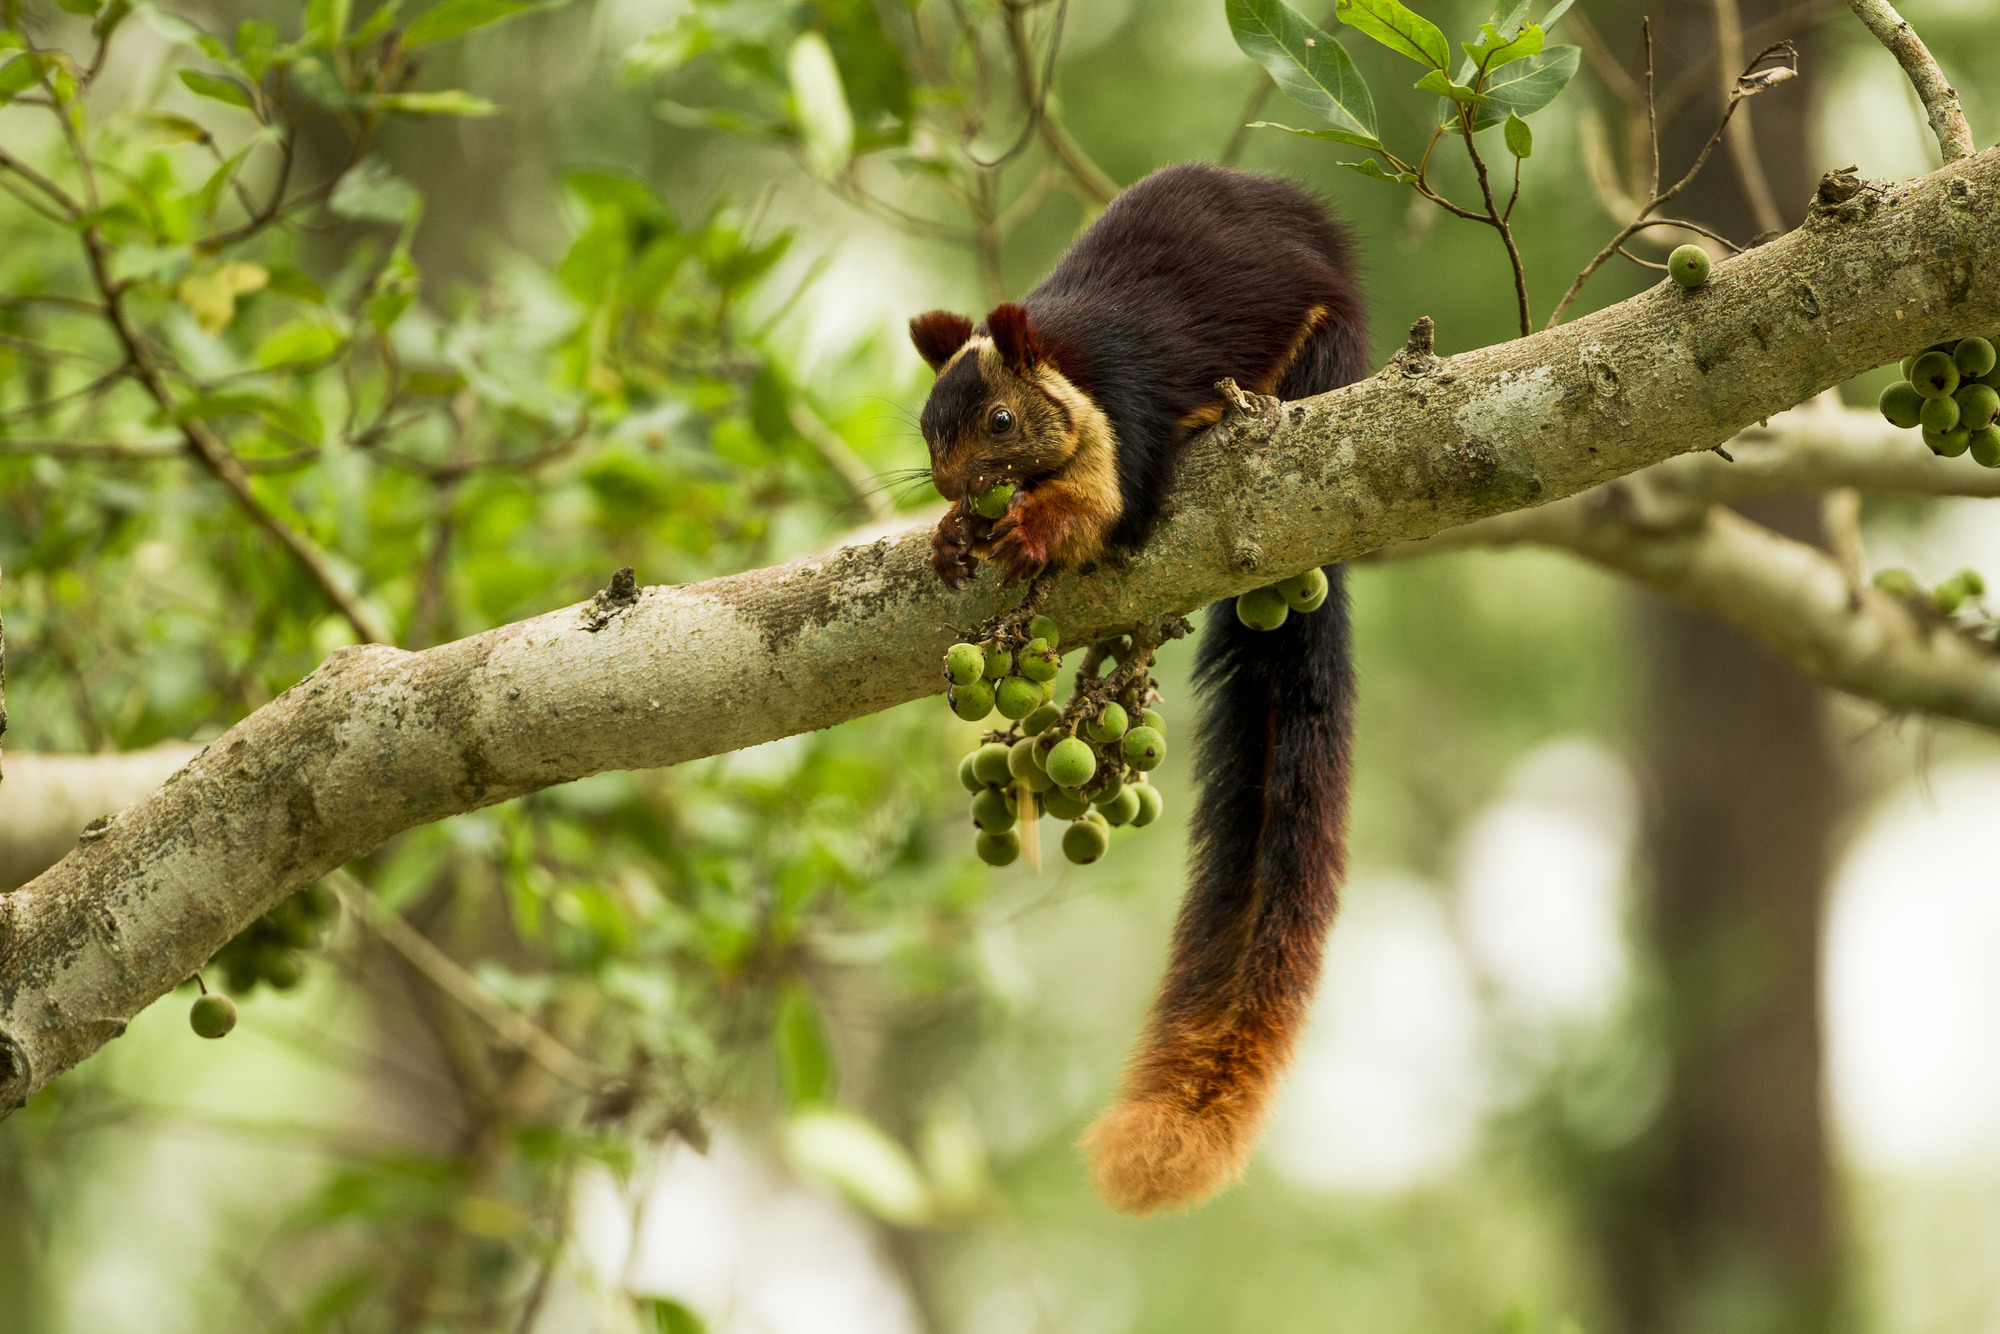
1749, 166
1947, 118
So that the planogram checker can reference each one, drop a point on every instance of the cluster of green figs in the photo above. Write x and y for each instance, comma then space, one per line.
269, 951
1086, 764
1952, 391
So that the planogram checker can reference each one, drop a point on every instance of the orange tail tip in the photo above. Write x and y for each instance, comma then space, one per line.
1149, 1155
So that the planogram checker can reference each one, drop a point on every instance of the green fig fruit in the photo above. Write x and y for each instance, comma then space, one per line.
966, 774
997, 848
1110, 782
1151, 718
1149, 804
973, 700
1951, 443
1021, 763
1985, 446
1064, 804
1688, 265
1071, 763
1895, 582
1085, 841
1262, 609
1305, 591
1144, 748
1044, 627
1935, 375
1041, 720
1974, 357
1901, 404
999, 661
1108, 725
1978, 405
212, 1015
992, 503
990, 764
989, 811
964, 663
1016, 697
1123, 808
1939, 415
281, 968
1909, 364
1039, 662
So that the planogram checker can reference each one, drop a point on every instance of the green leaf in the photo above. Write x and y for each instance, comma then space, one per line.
1375, 171
851, 1153
1549, 19
299, 342
18, 75
1523, 88
220, 90
1437, 81
461, 16
819, 104
210, 195
373, 193
668, 49
805, 1056
1399, 28
81, 6
255, 45
670, 1317
1496, 47
455, 102
1509, 17
1308, 66
326, 20
1332, 136
288, 281
1520, 139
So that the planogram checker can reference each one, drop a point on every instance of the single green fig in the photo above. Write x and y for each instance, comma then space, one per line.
1144, 748
1978, 405
966, 773
281, 968
1071, 763
1896, 582
1039, 662
990, 763
999, 661
1939, 415
1951, 443
1305, 591
1151, 718
1947, 597
999, 848
1262, 609
1985, 446
1972, 581
1974, 357
992, 503
972, 701
989, 811
1044, 627
1935, 375
1021, 763
1149, 804
1123, 808
1688, 265
1910, 363
212, 1015
1042, 719
1085, 841
1901, 404
1016, 696
1108, 725
1064, 804
964, 663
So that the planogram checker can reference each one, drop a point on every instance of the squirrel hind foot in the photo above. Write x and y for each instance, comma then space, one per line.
1149, 1155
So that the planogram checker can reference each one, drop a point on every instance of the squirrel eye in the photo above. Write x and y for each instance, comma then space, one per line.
1000, 422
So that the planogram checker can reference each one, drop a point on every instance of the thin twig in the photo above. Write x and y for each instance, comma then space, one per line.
1038, 102
1947, 119
444, 972
1742, 135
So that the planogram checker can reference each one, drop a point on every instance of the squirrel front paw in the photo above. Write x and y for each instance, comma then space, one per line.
951, 547
1020, 543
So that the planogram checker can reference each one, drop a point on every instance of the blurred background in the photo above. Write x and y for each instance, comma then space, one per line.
1662, 998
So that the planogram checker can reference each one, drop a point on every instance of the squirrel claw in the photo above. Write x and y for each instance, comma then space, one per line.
1018, 555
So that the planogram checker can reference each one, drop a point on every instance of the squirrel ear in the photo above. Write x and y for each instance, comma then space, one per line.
1013, 337
939, 334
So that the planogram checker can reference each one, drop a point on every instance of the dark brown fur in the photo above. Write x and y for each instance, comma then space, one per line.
1103, 371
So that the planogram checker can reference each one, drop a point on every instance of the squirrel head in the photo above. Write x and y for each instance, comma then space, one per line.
999, 410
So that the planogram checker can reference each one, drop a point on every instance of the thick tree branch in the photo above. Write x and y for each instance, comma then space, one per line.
378, 740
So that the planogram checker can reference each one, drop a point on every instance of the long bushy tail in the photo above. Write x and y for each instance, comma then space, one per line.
1268, 859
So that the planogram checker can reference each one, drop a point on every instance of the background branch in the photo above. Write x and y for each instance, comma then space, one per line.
1947, 118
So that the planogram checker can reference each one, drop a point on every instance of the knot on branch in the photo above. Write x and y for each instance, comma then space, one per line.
615, 597
1238, 401
1839, 185
1417, 356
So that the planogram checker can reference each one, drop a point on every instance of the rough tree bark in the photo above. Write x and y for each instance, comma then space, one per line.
378, 740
